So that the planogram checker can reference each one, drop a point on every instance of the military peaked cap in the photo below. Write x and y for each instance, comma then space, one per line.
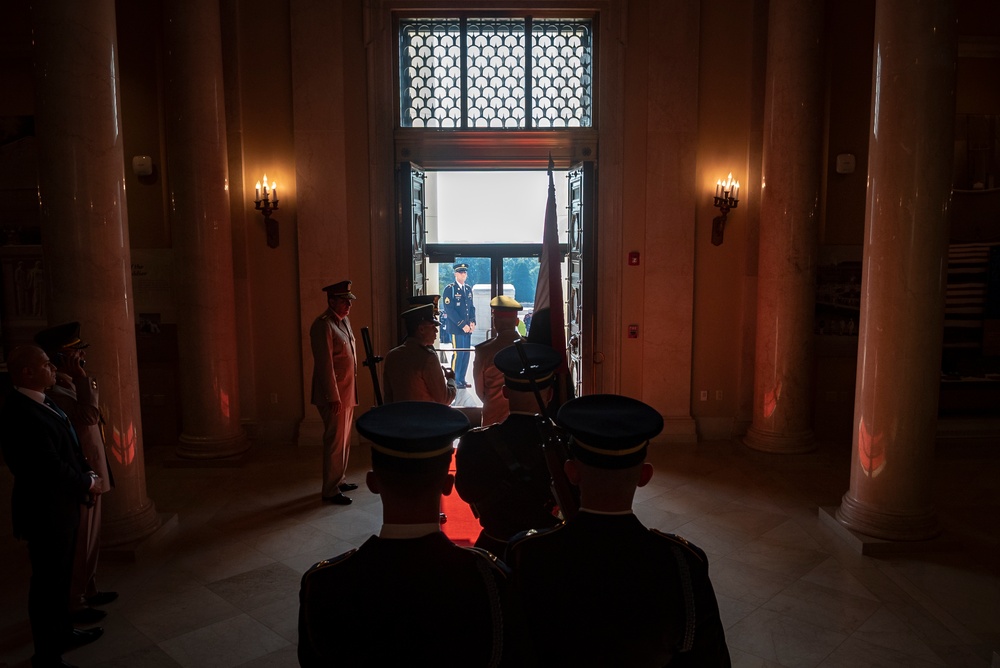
409, 434
420, 313
342, 289
542, 363
609, 431
461, 266
61, 336
505, 303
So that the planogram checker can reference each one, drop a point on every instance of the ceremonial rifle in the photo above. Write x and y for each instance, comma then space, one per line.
371, 359
554, 447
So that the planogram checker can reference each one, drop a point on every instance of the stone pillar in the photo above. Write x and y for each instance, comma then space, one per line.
85, 241
198, 180
789, 222
905, 268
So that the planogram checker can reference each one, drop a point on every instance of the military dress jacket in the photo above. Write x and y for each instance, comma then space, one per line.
410, 602
488, 380
616, 594
412, 372
458, 306
334, 361
80, 402
51, 477
501, 471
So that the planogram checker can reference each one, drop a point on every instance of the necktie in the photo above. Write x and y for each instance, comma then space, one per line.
58, 411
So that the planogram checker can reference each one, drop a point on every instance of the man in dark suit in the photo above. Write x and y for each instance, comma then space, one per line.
76, 394
334, 388
613, 592
51, 481
392, 601
500, 470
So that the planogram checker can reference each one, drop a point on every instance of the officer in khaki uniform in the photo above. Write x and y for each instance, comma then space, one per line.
334, 387
626, 595
409, 596
412, 372
500, 470
487, 379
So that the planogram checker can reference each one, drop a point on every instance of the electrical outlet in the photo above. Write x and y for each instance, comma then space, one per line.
704, 395
718, 395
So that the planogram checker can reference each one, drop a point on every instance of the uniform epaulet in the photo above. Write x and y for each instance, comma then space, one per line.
531, 534
325, 316
476, 430
682, 542
332, 561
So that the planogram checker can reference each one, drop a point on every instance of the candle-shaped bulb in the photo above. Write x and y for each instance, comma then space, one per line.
257, 195
718, 188
274, 191
736, 190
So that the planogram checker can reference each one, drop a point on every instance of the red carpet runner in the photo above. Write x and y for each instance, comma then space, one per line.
462, 526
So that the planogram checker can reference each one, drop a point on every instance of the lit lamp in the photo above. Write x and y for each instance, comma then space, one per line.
727, 196
266, 201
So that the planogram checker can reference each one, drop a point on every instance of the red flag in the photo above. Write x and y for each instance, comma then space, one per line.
548, 291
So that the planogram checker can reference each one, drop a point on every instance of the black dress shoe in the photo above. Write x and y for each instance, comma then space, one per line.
347, 487
81, 637
338, 499
101, 598
88, 615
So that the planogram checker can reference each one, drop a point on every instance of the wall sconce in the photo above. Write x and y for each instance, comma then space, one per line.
727, 194
266, 205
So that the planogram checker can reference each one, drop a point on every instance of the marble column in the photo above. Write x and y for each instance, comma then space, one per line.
905, 268
789, 223
84, 221
198, 180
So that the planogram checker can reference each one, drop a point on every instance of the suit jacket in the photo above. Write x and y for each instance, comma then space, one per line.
413, 373
334, 361
488, 380
81, 405
388, 603
51, 476
616, 594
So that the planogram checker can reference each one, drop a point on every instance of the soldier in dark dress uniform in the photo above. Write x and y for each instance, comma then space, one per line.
613, 592
461, 312
500, 470
410, 584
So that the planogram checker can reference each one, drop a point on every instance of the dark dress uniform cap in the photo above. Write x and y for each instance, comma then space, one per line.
505, 303
609, 431
416, 300
419, 313
61, 336
542, 360
342, 289
412, 431
461, 266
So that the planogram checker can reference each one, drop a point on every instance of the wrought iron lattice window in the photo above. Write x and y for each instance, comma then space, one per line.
496, 73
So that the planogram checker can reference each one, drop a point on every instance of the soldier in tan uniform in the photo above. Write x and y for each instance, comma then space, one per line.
486, 377
412, 371
77, 395
334, 387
